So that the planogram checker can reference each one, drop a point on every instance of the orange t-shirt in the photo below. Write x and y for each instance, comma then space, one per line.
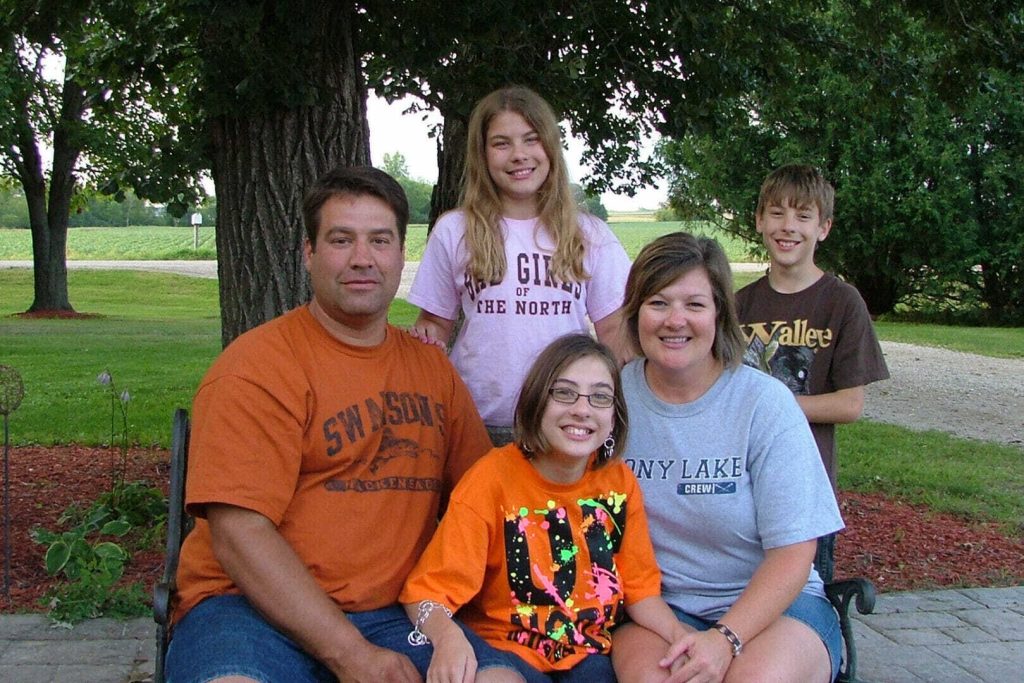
537, 568
348, 450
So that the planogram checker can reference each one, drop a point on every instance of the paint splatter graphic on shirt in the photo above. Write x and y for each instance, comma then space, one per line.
557, 611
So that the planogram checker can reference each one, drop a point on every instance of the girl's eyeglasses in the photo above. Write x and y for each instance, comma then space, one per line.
570, 396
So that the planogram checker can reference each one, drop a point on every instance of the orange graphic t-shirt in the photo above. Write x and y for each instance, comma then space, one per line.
348, 450
536, 568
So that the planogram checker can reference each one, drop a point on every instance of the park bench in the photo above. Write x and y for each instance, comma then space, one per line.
841, 594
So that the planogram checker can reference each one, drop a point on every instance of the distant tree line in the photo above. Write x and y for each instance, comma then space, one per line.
94, 210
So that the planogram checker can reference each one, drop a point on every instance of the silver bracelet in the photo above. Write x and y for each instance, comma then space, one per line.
416, 636
730, 635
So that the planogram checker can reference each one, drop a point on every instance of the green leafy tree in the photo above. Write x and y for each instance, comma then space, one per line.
279, 98
272, 94
990, 133
419, 194
417, 191
916, 174
589, 202
395, 165
617, 71
13, 209
95, 209
75, 81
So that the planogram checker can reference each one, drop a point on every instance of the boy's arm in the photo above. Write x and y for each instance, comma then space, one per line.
836, 407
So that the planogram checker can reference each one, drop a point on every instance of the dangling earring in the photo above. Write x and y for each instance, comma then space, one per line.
609, 447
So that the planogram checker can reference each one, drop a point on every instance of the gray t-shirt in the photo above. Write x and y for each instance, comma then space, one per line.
724, 478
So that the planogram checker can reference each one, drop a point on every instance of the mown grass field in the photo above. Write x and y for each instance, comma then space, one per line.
135, 243
156, 345
144, 243
999, 342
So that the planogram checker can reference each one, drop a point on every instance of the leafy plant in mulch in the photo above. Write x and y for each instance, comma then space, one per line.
99, 540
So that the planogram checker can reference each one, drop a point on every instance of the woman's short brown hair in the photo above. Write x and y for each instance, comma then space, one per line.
667, 259
535, 394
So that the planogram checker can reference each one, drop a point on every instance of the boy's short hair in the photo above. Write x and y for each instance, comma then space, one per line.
354, 181
797, 185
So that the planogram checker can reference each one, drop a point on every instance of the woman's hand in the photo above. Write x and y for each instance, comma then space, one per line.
698, 657
453, 660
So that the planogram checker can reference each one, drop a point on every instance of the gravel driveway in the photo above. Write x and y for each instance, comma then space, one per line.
973, 396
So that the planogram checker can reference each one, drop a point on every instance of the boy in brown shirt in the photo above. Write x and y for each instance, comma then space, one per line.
804, 326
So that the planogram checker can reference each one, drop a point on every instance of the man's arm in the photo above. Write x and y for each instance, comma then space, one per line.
836, 407
273, 578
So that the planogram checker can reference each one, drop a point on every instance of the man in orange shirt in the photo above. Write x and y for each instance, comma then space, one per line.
323, 444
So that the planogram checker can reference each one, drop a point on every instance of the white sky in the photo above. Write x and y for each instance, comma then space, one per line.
392, 131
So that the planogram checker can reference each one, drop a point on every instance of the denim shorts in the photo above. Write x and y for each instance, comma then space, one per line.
224, 635
814, 611
591, 669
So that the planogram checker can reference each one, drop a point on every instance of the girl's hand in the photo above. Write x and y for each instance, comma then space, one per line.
432, 329
453, 660
425, 333
698, 657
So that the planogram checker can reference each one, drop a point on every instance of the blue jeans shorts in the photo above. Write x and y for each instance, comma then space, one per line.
224, 635
592, 669
814, 611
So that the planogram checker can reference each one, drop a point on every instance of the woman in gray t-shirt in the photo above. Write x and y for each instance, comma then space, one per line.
735, 490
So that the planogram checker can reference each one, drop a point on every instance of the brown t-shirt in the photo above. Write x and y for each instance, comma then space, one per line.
815, 341
348, 450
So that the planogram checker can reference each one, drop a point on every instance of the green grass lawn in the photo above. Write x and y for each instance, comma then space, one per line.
999, 342
968, 478
157, 334
156, 345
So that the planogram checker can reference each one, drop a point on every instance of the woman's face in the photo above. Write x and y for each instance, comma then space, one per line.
575, 428
676, 325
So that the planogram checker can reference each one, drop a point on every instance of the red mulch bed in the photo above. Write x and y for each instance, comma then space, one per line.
43, 483
47, 315
896, 545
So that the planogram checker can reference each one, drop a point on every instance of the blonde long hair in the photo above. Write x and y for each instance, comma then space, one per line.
482, 203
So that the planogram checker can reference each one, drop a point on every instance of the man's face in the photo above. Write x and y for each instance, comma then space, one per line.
356, 266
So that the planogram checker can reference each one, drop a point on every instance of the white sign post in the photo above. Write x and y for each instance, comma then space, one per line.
197, 220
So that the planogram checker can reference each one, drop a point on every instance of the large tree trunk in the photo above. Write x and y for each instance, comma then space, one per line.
49, 219
451, 159
46, 282
263, 164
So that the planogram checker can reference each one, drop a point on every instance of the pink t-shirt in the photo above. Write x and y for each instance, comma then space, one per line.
507, 324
